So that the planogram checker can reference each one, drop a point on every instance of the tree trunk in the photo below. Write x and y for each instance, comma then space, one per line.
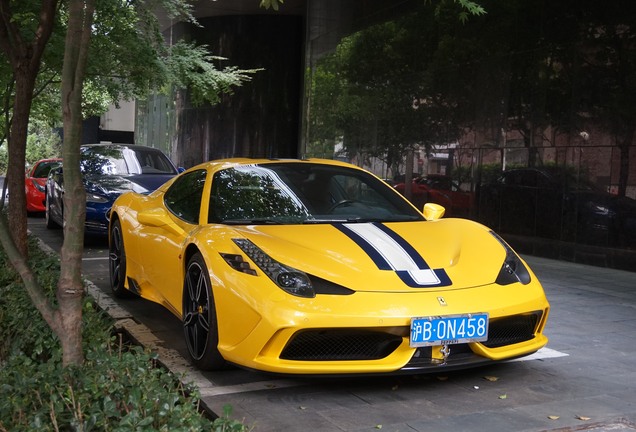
24, 57
24, 85
70, 289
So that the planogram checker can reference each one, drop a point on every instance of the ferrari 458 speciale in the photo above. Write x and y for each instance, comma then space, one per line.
319, 267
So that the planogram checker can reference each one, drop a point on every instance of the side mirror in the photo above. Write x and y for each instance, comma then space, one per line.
433, 211
153, 217
159, 218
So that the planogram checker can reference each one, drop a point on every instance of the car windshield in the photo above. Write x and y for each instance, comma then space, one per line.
572, 182
43, 168
286, 193
440, 183
117, 160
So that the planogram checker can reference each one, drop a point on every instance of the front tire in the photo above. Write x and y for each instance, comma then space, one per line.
199, 316
117, 261
50, 223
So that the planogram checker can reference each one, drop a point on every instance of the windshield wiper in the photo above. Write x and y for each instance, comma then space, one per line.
322, 221
353, 219
256, 221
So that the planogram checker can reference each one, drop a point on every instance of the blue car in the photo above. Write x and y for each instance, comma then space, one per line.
108, 171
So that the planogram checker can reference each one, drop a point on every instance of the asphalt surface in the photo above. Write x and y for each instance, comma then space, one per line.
585, 380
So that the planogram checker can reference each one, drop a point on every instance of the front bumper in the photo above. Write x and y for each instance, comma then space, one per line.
97, 218
367, 336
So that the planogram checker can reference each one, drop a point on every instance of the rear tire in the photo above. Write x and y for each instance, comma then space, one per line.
117, 262
199, 316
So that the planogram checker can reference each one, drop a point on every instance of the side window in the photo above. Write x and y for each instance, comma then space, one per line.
251, 194
183, 198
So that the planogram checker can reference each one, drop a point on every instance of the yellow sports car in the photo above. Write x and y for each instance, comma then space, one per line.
319, 267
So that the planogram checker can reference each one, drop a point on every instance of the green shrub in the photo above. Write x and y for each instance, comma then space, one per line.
111, 391
119, 387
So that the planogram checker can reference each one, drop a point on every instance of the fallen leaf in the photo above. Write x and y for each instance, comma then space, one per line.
442, 378
302, 407
378, 426
553, 417
395, 387
584, 418
503, 396
476, 387
491, 378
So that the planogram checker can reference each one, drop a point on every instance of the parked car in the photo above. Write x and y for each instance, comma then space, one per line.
319, 267
108, 170
439, 189
554, 203
35, 183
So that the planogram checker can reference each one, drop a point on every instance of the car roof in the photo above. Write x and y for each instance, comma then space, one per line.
236, 162
48, 160
120, 146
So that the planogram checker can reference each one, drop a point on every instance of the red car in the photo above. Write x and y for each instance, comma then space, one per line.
439, 189
35, 182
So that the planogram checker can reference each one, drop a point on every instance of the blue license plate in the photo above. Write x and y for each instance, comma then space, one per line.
447, 330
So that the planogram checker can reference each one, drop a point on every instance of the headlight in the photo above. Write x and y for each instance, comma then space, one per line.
95, 198
513, 270
37, 185
293, 281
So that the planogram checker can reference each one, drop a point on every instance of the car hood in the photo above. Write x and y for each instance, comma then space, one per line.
115, 185
444, 254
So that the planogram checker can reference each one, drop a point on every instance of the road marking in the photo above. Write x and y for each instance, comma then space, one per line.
543, 353
249, 387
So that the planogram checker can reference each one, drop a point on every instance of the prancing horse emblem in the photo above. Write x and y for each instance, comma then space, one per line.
441, 301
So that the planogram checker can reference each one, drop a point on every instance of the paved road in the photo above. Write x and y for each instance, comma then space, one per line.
584, 380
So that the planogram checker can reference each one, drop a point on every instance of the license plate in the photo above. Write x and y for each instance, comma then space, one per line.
447, 330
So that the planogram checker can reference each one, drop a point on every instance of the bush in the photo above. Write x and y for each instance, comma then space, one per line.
119, 387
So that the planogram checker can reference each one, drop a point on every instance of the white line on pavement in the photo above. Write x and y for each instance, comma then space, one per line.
543, 353
249, 387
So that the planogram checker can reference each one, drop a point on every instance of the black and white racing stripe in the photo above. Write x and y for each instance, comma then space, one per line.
389, 251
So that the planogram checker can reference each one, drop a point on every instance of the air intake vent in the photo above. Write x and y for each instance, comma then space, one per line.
339, 344
512, 330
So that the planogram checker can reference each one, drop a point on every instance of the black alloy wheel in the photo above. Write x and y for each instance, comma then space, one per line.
117, 261
199, 316
50, 223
